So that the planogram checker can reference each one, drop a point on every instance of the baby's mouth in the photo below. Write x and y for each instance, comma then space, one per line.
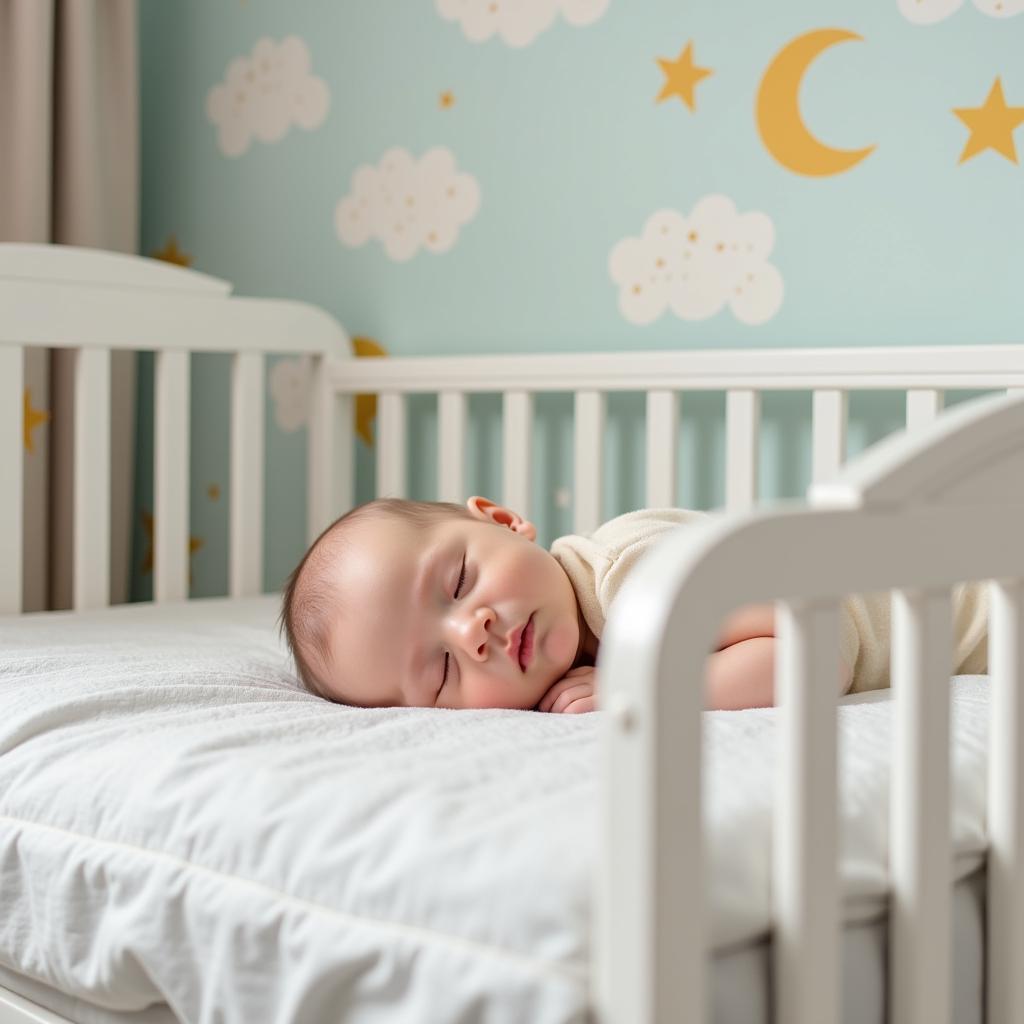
526, 645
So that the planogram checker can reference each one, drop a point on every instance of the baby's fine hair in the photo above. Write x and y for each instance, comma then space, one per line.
309, 595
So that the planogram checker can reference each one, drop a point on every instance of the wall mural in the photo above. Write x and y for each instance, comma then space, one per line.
782, 128
519, 22
695, 264
927, 12
264, 94
681, 76
991, 125
406, 203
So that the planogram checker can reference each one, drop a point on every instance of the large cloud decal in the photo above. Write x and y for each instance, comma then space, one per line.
518, 22
406, 203
926, 12
695, 264
264, 94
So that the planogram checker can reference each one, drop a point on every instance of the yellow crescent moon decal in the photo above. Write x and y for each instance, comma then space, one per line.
778, 109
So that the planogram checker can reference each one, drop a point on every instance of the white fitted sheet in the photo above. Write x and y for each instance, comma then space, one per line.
180, 823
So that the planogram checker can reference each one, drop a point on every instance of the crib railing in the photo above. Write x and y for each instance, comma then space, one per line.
919, 513
924, 373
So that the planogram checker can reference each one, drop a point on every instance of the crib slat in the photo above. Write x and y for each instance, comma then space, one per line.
246, 533
342, 451
829, 419
320, 454
662, 442
1005, 989
170, 476
923, 405
517, 440
90, 578
806, 884
920, 964
742, 429
451, 429
391, 445
588, 452
12, 446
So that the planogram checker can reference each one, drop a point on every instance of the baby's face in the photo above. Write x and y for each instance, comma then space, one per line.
464, 613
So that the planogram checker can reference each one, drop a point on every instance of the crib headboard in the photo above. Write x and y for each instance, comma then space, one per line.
92, 302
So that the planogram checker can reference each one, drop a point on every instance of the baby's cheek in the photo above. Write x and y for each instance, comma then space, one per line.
499, 693
560, 643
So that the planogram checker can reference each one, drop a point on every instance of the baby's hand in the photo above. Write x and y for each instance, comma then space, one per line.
573, 694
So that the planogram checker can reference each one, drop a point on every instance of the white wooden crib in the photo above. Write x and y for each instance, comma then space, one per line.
881, 523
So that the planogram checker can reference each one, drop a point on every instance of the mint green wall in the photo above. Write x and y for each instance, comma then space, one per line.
559, 154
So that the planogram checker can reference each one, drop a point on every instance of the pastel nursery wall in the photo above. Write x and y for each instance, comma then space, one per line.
463, 176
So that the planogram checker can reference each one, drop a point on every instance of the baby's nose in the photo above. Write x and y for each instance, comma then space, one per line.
474, 632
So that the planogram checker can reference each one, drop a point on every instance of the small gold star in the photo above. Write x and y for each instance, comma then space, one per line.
170, 253
447, 100
31, 419
681, 75
991, 125
366, 405
213, 491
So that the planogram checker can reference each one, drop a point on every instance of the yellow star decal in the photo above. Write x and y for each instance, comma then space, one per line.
194, 544
681, 75
447, 100
213, 492
366, 405
32, 418
170, 253
991, 125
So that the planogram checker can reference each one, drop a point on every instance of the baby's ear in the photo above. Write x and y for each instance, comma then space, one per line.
489, 512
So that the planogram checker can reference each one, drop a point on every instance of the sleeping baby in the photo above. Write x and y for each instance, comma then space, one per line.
434, 604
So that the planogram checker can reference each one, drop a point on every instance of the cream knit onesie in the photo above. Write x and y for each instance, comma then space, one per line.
596, 565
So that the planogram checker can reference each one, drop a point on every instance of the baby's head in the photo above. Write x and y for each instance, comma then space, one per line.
431, 604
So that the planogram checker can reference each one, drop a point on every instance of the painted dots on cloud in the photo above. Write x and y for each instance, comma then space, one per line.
927, 12
517, 22
407, 203
264, 94
694, 264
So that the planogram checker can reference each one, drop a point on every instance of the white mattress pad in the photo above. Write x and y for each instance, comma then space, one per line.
181, 823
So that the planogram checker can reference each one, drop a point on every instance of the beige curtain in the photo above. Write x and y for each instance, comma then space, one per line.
69, 173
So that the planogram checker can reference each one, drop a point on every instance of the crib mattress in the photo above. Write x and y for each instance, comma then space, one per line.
741, 988
180, 824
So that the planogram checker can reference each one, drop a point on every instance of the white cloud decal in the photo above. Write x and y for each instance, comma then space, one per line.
264, 94
290, 384
927, 12
518, 22
406, 203
695, 264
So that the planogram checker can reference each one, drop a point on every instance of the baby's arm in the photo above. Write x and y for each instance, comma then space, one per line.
741, 675
741, 672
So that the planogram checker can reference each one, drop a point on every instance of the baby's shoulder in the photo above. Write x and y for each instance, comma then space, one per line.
634, 526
